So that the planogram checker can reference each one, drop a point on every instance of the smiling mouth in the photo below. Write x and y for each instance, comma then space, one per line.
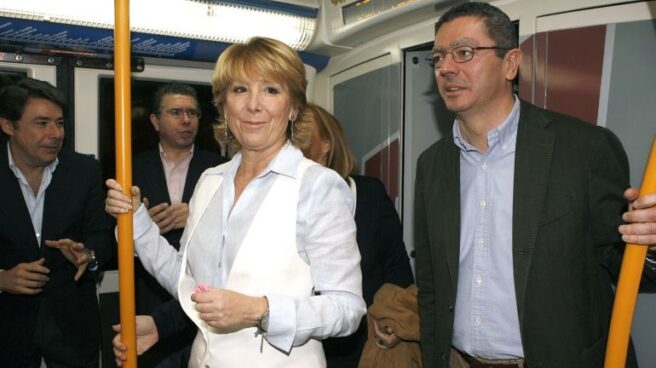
51, 148
452, 88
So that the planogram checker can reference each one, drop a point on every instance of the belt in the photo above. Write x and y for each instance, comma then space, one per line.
475, 362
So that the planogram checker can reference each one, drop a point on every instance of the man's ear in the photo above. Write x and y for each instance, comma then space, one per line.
512, 60
154, 120
7, 126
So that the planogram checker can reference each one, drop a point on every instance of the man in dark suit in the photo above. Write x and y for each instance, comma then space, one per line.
167, 177
53, 232
517, 215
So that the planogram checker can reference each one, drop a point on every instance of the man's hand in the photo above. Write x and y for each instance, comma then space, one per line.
385, 337
75, 252
640, 219
25, 278
147, 336
169, 217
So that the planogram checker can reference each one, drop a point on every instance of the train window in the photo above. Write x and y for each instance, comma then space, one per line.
9, 77
144, 136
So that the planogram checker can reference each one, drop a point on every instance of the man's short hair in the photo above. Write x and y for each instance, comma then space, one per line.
173, 88
13, 98
498, 24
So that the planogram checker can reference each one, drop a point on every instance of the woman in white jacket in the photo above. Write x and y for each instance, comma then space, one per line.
270, 233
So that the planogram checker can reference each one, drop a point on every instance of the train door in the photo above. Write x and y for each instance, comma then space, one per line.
426, 121
597, 64
366, 100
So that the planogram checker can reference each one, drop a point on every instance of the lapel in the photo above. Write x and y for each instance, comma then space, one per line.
445, 208
196, 167
533, 157
12, 205
57, 200
154, 175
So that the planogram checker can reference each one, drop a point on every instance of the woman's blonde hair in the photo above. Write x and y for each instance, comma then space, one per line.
339, 157
261, 57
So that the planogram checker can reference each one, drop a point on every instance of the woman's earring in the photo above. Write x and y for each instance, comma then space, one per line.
291, 123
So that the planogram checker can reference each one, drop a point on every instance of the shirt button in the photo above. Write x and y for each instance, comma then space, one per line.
482, 203
479, 280
484, 167
481, 241
451, 308
477, 320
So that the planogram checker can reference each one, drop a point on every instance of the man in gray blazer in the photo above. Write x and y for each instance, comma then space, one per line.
517, 215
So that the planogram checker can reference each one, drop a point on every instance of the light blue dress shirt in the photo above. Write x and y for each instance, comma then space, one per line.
486, 319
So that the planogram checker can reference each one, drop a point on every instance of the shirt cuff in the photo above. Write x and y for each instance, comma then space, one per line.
282, 322
651, 257
142, 221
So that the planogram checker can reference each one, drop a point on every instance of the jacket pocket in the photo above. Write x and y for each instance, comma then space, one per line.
558, 207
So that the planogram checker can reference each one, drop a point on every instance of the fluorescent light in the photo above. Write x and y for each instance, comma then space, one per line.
204, 20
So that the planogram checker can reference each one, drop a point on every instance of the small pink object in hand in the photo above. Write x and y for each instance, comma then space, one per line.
201, 288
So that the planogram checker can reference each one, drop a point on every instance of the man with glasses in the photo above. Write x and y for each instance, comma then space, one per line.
167, 177
517, 215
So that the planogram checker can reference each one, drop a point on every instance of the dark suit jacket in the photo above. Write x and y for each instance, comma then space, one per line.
568, 199
74, 209
148, 175
384, 260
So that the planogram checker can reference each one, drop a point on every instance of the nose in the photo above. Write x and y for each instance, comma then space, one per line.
449, 65
55, 131
254, 102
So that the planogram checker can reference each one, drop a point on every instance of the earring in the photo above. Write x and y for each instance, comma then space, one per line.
225, 131
291, 123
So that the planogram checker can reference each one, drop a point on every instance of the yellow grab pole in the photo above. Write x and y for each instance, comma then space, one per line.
123, 136
628, 283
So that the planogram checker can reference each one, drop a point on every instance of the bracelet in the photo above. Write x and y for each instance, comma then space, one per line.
263, 322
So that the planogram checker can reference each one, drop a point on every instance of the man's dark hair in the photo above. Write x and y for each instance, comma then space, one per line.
173, 88
498, 24
13, 98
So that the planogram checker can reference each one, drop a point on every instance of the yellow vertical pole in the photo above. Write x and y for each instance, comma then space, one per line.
123, 136
628, 283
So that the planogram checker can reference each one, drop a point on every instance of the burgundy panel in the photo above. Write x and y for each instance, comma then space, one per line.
574, 64
384, 165
526, 70
540, 70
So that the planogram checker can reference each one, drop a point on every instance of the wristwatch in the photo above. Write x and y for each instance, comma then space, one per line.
93, 262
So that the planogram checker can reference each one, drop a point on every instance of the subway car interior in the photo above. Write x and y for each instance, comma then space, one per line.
367, 61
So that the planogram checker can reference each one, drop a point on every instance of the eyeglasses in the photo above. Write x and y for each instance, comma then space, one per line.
180, 113
460, 54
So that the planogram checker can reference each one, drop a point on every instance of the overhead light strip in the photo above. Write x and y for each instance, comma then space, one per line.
203, 20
